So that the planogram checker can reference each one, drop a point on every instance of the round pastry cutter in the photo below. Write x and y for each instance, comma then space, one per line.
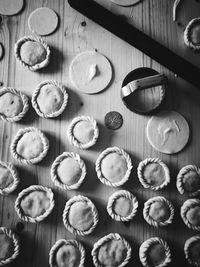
143, 90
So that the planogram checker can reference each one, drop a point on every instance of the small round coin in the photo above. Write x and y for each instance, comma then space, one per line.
113, 120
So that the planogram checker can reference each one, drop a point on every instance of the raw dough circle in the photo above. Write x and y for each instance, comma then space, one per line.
43, 21
168, 132
11, 7
125, 2
90, 72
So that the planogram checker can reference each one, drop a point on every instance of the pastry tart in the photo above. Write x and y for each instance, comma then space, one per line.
188, 181
190, 213
192, 250
34, 203
192, 34
158, 211
122, 206
29, 146
155, 252
153, 173
49, 99
13, 104
80, 215
32, 52
67, 253
83, 132
10, 246
111, 250
9, 179
113, 166
68, 171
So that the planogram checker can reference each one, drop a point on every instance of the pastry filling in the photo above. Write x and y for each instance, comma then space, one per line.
114, 167
191, 181
123, 206
156, 254
84, 132
32, 53
30, 145
69, 171
50, 99
68, 256
81, 216
5, 177
193, 216
112, 253
10, 105
195, 253
35, 204
6, 247
154, 174
195, 35
159, 211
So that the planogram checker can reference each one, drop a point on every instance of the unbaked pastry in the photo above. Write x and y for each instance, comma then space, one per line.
11, 7
9, 179
158, 211
83, 132
49, 99
190, 213
168, 132
153, 173
90, 72
65, 253
113, 166
9, 244
32, 53
34, 203
188, 181
122, 206
43, 21
192, 250
80, 215
68, 171
13, 104
192, 34
155, 252
29, 146
111, 250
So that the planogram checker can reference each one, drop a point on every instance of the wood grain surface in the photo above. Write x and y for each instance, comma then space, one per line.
74, 35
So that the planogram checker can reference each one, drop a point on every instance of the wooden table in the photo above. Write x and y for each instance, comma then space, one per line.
73, 36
